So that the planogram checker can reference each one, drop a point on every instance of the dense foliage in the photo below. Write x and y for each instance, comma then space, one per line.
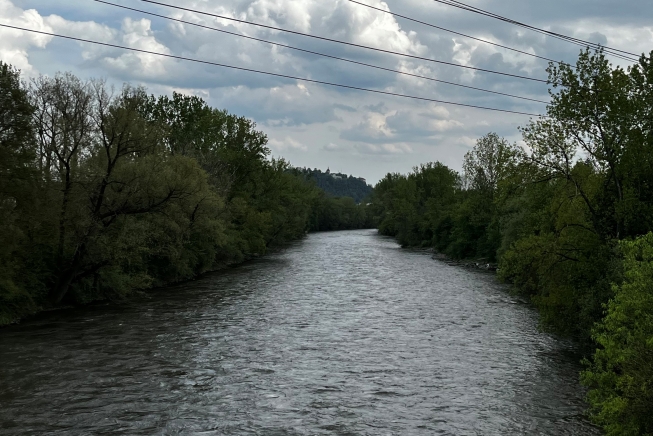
103, 192
339, 184
339, 213
622, 370
556, 215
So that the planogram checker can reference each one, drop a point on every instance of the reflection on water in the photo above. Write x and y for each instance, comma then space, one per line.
343, 333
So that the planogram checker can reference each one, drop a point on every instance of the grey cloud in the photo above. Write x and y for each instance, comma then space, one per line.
342, 117
379, 107
412, 126
384, 149
598, 38
344, 107
284, 106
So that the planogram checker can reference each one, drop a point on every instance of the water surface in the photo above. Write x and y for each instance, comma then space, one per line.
344, 333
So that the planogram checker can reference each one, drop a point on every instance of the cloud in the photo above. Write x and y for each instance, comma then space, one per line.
81, 29
383, 149
358, 149
344, 107
15, 44
408, 124
133, 33
138, 34
319, 126
286, 144
332, 147
366, 26
427, 123
372, 129
288, 105
290, 14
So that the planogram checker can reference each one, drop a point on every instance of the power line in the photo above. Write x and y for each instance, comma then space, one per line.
453, 31
320, 54
105, 44
517, 76
608, 50
479, 11
570, 38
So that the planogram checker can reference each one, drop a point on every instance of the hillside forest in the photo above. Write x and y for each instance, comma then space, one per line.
339, 184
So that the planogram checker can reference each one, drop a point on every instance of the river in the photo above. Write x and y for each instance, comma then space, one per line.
343, 333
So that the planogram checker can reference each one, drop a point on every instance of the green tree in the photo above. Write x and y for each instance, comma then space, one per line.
621, 374
475, 222
105, 192
581, 191
17, 189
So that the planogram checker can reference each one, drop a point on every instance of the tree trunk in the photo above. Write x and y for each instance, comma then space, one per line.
67, 277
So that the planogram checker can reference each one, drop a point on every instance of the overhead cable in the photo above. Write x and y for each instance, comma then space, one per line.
453, 31
608, 50
376, 91
320, 54
223, 17
570, 38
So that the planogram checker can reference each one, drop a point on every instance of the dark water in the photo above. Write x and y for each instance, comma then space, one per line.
342, 334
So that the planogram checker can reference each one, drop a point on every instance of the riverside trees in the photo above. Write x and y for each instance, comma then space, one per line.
556, 215
16, 179
621, 371
104, 191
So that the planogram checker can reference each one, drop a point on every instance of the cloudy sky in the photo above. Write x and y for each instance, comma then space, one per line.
315, 125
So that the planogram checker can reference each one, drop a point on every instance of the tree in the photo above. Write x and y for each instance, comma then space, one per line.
598, 116
491, 160
102, 164
621, 373
17, 186
582, 157
104, 192
476, 225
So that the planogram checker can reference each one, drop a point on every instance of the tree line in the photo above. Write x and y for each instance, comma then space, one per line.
567, 217
106, 191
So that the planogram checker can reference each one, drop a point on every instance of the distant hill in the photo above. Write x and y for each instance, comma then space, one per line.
338, 184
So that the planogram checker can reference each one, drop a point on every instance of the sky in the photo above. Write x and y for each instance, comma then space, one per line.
316, 125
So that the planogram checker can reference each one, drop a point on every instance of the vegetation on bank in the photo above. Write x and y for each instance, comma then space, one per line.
621, 372
567, 218
104, 191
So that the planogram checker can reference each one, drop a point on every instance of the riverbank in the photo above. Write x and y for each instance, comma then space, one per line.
20, 315
477, 264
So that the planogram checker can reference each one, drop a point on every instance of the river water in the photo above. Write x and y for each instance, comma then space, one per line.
343, 333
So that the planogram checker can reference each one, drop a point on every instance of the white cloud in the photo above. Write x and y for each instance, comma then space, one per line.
384, 149
366, 26
81, 29
286, 144
332, 147
293, 14
84, 29
138, 34
16, 44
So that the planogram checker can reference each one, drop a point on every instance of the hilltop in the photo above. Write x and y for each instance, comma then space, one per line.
338, 184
